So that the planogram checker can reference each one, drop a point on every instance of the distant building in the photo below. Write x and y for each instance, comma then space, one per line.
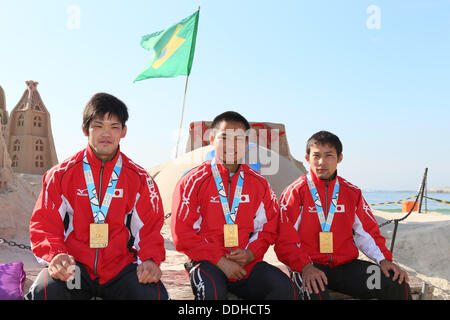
29, 135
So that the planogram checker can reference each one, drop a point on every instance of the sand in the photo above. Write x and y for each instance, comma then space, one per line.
422, 245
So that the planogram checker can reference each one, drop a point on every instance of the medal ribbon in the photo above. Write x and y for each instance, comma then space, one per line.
230, 215
98, 212
325, 225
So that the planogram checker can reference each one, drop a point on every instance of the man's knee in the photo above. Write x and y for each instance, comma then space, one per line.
284, 290
208, 282
393, 290
150, 291
46, 288
281, 287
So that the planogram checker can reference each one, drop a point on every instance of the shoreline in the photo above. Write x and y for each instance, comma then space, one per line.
431, 190
439, 190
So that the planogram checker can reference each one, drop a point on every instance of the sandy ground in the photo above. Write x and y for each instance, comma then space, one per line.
422, 247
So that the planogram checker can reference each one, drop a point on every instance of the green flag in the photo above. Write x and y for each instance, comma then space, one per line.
173, 50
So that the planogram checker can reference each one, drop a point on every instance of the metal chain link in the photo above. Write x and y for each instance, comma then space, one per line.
14, 244
385, 223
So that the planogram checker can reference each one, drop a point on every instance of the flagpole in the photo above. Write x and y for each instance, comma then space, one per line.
182, 116
182, 113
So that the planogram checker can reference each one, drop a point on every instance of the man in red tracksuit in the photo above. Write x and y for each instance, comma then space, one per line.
226, 236
96, 224
324, 220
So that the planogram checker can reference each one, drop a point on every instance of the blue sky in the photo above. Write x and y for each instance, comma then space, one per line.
311, 65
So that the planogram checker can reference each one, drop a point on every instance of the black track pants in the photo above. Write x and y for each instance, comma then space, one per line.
123, 286
359, 279
265, 282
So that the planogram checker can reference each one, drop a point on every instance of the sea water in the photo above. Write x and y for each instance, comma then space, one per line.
373, 197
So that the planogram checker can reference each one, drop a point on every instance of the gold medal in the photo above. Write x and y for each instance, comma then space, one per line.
326, 242
98, 236
230, 235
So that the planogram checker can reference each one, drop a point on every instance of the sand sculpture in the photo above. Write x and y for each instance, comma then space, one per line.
27, 151
6, 174
27, 133
269, 150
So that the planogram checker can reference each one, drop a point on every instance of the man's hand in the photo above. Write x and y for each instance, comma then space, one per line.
231, 269
386, 266
241, 256
148, 272
62, 267
313, 278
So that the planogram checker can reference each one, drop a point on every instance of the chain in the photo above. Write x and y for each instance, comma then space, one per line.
22, 246
14, 244
385, 223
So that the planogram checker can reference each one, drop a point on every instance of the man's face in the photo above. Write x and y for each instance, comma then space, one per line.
229, 141
104, 135
323, 160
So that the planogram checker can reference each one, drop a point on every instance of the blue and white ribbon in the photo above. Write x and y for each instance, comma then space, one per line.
325, 225
230, 215
98, 211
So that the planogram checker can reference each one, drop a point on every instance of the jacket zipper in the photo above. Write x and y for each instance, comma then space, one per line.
229, 191
326, 211
326, 200
99, 195
229, 197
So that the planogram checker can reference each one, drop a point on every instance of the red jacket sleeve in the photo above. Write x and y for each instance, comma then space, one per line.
367, 234
147, 221
266, 223
46, 224
184, 217
288, 244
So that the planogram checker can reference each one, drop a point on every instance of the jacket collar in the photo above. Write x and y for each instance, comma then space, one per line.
322, 183
96, 162
223, 170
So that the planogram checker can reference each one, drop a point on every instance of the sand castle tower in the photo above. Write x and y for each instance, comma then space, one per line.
6, 174
3, 115
5, 162
30, 143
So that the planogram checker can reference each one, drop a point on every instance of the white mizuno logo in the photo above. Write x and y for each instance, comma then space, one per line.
82, 192
214, 199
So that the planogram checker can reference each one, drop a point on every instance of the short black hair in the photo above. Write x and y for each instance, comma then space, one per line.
230, 116
103, 103
324, 137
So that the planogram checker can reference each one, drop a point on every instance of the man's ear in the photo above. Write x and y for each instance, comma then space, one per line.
124, 132
84, 131
341, 156
307, 157
211, 136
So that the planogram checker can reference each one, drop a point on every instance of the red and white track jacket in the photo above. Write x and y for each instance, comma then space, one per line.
353, 227
62, 215
198, 219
